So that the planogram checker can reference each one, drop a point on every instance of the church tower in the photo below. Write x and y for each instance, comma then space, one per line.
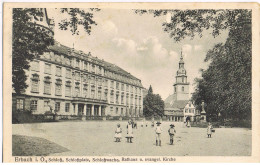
181, 86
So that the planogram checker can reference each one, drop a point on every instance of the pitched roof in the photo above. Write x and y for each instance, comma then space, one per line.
62, 49
172, 102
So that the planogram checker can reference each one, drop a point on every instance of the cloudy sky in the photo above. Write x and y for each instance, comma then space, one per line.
139, 45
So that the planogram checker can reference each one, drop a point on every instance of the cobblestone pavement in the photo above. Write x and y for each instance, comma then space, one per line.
96, 138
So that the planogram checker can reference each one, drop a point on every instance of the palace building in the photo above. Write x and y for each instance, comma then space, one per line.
178, 106
71, 82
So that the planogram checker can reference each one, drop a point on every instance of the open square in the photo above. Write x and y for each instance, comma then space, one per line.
96, 138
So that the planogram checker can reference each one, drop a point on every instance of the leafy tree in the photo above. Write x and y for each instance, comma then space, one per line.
153, 104
226, 85
30, 39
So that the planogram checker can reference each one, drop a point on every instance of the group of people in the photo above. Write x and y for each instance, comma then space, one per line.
158, 132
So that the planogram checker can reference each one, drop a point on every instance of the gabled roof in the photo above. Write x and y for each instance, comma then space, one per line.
62, 49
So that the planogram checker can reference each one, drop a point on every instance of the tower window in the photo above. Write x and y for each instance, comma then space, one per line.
182, 88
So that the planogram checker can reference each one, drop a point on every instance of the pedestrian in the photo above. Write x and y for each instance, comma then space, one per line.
118, 133
172, 132
209, 130
129, 132
158, 131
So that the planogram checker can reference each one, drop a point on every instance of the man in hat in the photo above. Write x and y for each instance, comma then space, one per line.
171, 131
158, 131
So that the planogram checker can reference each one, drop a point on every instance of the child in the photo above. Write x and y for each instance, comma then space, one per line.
171, 131
209, 130
118, 133
158, 131
129, 131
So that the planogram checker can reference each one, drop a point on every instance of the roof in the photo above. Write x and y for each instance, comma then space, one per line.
62, 49
173, 103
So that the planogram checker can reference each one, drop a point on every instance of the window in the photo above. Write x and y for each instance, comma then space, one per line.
182, 89
122, 111
57, 106
68, 88
99, 94
117, 97
58, 87
77, 91
122, 99
92, 81
93, 92
112, 98
77, 64
68, 61
77, 76
186, 110
68, 73
85, 90
127, 88
105, 95
122, 87
106, 83
131, 88
58, 71
117, 85
35, 83
189, 110
116, 110
85, 78
112, 84
93, 68
85, 65
20, 104
67, 107
174, 89
127, 100
47, 85
182, 79
47, 68
35, 66
111, 109
34, 105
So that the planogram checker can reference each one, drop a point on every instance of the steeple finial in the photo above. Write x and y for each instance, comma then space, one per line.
181, 54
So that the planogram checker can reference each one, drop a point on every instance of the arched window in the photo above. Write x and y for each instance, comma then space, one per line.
182, 89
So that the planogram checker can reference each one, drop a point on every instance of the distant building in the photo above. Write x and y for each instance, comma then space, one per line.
178, 106
71, 82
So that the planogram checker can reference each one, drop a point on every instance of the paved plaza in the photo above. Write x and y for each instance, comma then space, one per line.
96, 138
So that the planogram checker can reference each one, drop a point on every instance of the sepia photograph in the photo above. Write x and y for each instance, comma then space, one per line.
129, 83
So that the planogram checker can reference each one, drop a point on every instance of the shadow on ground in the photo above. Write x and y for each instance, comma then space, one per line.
34, 146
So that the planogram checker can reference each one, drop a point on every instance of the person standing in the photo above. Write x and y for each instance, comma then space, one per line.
118, 133
129, 132
209, 130
158, 131
172, 132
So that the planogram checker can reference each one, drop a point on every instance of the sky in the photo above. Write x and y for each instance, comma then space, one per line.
138, 44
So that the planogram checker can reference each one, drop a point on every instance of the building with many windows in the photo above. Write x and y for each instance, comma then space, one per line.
71, 82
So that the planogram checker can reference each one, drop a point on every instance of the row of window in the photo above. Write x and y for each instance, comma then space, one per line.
47, 69
84, 65
86, 78
58, 90
34, 105
121, 112
189, 111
